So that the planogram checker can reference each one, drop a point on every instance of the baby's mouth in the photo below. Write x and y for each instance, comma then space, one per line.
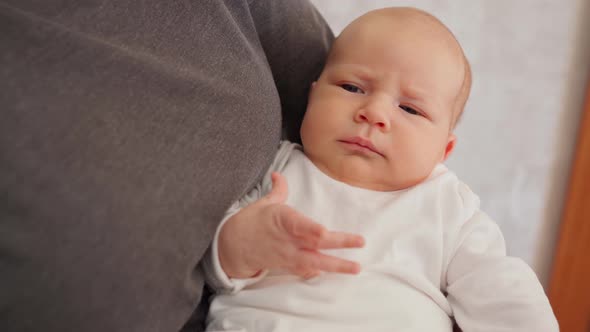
361, 142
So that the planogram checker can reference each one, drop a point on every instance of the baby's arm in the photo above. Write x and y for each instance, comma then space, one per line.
268, 234
489, 291
215, 277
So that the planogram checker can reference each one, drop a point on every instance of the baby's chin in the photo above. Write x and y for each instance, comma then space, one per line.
360, 173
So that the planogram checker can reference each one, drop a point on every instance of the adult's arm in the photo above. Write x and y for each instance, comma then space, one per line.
127, 128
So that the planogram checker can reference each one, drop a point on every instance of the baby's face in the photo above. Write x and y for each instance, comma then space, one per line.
380, 115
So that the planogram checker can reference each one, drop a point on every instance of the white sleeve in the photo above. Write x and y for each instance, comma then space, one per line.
489, 291
215, 277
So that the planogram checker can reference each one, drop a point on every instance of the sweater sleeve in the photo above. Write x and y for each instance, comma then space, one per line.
489, 291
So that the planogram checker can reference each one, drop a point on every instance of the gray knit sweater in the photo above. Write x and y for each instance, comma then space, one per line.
126, 129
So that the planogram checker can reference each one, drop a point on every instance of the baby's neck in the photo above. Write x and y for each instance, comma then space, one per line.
355, 179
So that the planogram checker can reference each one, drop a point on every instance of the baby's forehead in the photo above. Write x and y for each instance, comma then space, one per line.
385, 30
407, 16
401, 21
401, 50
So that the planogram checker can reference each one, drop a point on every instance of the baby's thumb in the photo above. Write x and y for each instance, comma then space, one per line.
279, 191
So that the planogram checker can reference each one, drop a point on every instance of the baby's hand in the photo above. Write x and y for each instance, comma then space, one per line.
269, 234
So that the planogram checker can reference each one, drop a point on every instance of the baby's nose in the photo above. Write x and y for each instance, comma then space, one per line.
374, 115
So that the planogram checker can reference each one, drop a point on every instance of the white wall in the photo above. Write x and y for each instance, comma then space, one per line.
530, 60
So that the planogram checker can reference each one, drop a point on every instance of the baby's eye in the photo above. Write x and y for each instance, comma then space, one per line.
351, 88
409, 110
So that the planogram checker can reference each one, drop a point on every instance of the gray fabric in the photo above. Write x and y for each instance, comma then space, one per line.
126, 130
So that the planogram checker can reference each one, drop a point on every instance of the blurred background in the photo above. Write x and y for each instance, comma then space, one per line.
530, 62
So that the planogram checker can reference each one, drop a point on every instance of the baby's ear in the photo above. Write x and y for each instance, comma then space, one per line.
313, 84
451, 142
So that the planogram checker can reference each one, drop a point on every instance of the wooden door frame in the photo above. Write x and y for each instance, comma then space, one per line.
569, 289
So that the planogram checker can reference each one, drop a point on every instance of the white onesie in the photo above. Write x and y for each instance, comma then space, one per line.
430, 254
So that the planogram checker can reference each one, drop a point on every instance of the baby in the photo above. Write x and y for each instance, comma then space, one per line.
412, 248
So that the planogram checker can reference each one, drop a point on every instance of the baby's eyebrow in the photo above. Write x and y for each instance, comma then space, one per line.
359, 70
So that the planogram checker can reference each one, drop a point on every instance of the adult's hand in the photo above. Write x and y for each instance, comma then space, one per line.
269, 234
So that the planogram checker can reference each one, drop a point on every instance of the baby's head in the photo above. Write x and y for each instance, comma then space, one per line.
382, 113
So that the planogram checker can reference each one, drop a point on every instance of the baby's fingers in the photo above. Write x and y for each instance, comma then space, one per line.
314, 261
298, 225
306, 233
329, 240
279, 191
339, 240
